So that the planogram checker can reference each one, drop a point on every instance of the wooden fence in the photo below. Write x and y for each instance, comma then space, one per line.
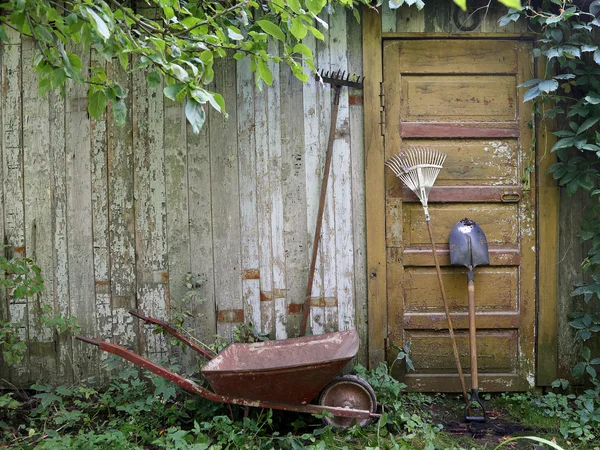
116, 216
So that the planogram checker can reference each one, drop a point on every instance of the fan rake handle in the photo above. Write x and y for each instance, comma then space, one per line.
448, 318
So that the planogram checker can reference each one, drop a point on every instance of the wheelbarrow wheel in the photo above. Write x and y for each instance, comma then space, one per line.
350, 392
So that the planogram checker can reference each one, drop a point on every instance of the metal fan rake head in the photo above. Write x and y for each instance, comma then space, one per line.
340, 78
418, 168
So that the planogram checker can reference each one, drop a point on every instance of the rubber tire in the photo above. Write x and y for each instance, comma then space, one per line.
365, 399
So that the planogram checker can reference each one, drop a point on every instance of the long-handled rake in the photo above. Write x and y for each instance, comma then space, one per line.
417, 168
336, 80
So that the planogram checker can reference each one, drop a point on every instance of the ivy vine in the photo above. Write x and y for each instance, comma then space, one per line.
568, 93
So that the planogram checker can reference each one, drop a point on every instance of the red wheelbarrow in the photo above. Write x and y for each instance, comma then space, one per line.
284, 374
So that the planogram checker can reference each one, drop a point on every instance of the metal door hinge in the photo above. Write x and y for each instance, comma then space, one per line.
381, 109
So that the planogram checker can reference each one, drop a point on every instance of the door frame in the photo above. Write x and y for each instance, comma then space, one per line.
546, 323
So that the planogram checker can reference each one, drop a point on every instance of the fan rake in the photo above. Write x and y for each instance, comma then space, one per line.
418, 168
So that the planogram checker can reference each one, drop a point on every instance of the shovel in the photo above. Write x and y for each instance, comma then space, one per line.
468, 247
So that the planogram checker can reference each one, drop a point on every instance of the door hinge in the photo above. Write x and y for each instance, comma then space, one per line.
381, 109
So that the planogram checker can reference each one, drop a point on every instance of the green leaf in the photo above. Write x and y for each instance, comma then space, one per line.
315, 6
298, 29
593, 98
462, 4
178, 72
43, 34
272, 29
234, 33
532, 93
153, 79
264, 72
531, 438
588, 124
173, 91
96, 104
316, 33
586, 353
548, 86
100, 24
303, 49
597, 56
3, 36
195, 114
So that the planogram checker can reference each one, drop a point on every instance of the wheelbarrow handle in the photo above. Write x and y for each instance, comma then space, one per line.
173, 332
88, 340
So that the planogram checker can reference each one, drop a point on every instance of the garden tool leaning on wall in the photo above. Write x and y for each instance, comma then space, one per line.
468, 247
418, 168
336, 80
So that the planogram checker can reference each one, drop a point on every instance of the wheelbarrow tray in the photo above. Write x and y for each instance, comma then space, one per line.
290, 371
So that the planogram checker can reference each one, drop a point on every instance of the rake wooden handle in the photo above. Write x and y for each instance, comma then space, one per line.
317, 237
448, 318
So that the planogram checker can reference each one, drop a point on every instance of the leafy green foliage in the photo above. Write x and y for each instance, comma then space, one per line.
568, 93
175, 41
22, 279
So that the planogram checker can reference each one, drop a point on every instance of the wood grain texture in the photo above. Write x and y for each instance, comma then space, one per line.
326, 319
293, 178
548, 254
203, 319
277, 214
12, 169
357, 154
263, 208
312, 170
248, 193
58, 186
38, 218
225, 199
100, 222
375, 190
121, 216
150, 212
79, 225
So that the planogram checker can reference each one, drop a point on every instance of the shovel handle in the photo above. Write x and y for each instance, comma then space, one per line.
473, 335
447, 310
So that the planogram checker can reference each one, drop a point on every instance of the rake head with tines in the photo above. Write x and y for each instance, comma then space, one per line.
418, 168
340, 79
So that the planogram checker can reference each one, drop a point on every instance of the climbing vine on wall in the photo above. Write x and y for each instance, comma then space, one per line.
568, 93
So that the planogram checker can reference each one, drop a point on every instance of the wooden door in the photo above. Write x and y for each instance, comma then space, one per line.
461, 97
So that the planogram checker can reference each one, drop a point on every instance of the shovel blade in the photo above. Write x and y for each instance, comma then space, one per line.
468, 245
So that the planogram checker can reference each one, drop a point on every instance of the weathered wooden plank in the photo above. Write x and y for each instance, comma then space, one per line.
248, 194
388, 18
178, 222
100, 223
226, 203
277, 222
58, 186
329, 315
342, 183
375, 189
548, 255
528, 220
357, 148
38, 222
12, 169
121, 213
4, 311
496, 130
294, 194
312, 151
150, 212
79, 225
203, 318
410, 20
263, 207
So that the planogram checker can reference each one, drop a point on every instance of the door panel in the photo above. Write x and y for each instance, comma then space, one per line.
461, 97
